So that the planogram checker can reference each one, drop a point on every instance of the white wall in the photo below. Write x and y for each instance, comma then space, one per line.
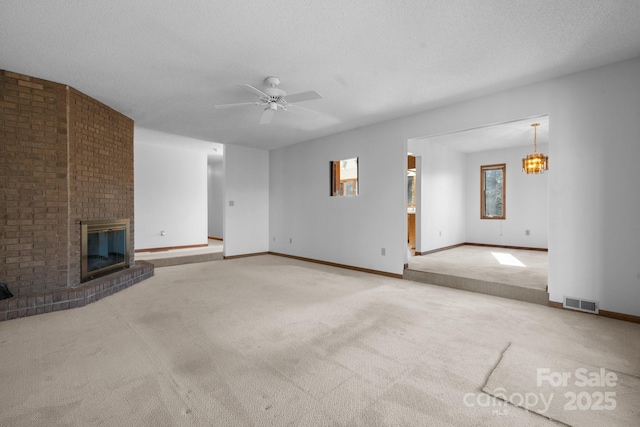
442, 207
594, 237
306, 221
215, 200
526, 199
246, 185
594, 196
594, 240
170, 184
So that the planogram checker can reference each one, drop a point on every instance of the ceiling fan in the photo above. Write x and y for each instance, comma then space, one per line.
274, 98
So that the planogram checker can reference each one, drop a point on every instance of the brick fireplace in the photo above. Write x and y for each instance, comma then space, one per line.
65, 158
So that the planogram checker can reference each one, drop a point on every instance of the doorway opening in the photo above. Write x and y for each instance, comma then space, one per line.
449, 215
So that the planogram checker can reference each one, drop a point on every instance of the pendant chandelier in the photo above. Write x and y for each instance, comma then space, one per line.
536, 162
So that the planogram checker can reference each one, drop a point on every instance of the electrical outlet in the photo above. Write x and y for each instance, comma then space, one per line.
383, 252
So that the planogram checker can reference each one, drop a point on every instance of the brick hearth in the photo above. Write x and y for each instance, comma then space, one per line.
78, 296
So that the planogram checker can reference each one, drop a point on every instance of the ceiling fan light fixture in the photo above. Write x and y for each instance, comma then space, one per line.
535, 163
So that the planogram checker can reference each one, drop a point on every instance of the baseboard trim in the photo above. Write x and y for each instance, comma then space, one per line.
169, 248
333, 264
555, 304
620, 316
214, 238
524, 248
603, 313
446, 248
246, 255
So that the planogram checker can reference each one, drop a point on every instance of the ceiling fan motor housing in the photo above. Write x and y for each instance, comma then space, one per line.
272, 81
274, 92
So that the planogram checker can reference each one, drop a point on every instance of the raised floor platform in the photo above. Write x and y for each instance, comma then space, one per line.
166, 258
509, 273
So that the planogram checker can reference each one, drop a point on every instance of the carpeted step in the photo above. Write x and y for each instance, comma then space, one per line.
185, 259
520, 293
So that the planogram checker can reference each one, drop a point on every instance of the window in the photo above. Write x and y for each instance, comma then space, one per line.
344, 177
492, 186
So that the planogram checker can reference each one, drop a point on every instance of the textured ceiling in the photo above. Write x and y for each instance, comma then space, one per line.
167, 63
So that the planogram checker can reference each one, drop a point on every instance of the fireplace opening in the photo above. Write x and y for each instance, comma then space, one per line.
104, 247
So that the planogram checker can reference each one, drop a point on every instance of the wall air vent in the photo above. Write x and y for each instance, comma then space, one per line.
581, 305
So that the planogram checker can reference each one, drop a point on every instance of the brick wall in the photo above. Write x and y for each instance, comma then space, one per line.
100, 169
33, 184
64, 158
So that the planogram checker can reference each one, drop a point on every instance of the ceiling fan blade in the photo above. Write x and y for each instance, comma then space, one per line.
303, 96
258, 92
302, 108
239, 104
267, 115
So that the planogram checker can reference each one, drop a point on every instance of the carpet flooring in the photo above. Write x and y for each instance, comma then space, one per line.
570, 391
272, 341
517, 267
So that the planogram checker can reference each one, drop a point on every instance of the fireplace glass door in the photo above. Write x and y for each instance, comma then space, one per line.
104, 247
